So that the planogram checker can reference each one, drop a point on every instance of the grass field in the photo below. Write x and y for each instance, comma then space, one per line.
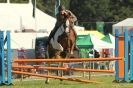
54, 83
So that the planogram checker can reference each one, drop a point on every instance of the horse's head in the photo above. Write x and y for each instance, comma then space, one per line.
67, 24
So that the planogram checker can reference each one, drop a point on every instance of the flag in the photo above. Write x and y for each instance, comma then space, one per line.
34, 8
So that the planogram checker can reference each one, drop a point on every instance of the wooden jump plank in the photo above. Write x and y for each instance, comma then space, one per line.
65, 69
55, 77
68, 60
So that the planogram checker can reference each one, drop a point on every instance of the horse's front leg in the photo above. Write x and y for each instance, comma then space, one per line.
69, 45
72, 48
47, 56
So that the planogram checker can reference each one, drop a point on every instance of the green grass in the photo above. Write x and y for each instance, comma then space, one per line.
54, 83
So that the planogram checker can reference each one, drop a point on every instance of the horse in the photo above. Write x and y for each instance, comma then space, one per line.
64, 39
68, 38
65, 43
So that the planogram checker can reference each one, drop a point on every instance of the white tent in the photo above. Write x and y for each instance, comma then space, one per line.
24, 40
125, 24
15, 16
7, 24
78, 28
112, 39
99, 44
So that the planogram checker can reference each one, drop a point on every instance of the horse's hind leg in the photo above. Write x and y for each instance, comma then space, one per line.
47, 79
47, 54
60, 72
60, 64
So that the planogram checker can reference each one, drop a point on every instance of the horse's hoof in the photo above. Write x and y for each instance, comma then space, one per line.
46, 82
71, 53
61, 80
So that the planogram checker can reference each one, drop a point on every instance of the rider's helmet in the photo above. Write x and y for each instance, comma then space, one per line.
61, 7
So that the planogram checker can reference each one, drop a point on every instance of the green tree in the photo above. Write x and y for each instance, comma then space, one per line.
121, 9
19, 1
48, 6
102, 10
90, 10
3, 1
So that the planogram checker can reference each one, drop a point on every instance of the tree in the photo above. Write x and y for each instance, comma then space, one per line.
121, 9
102, 10
90, 10
19, 1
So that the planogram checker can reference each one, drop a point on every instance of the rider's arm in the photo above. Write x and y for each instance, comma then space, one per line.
74, 18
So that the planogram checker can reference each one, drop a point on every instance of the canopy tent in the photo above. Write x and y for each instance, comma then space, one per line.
107, 38
112, 38
90, 41
100, 35
24, 40
99, 44
125, 24
16, 17
84, 43
87, 42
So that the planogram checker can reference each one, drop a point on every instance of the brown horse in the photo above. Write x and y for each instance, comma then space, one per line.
66, 42
68, 38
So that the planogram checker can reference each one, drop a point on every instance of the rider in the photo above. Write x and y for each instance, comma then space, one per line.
62, 12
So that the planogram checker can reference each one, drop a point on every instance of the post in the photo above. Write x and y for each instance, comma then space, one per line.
131, 56
5, 62
9, 64
126, 53
1, 65
116, 54
2, 57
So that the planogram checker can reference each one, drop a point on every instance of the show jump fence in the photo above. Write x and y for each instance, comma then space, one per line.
123, 50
